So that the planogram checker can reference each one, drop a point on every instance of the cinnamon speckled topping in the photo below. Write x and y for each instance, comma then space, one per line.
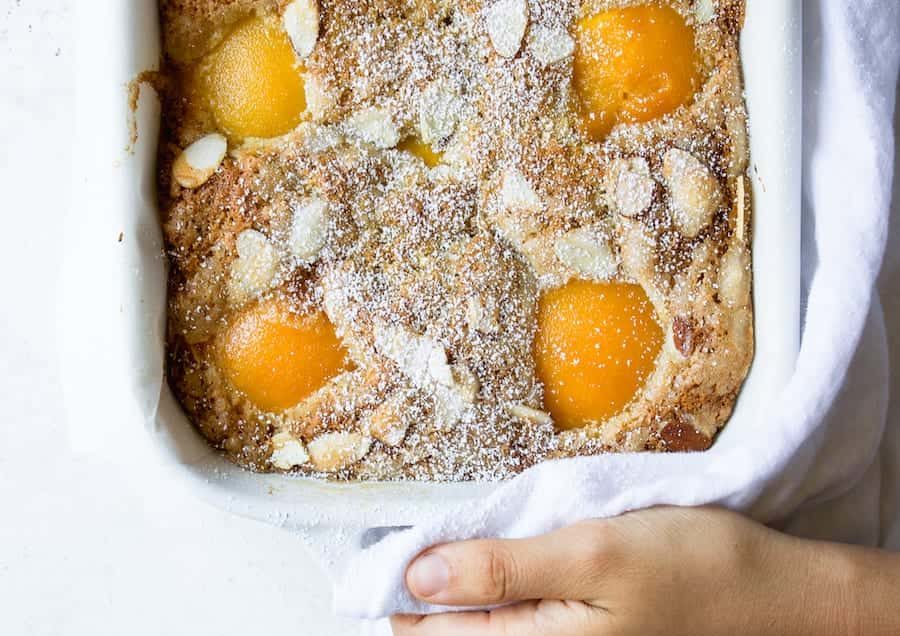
432, 276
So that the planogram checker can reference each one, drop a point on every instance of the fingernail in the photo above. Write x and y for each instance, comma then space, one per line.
428, 575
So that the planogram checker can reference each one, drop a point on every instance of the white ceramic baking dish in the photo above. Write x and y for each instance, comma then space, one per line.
113, 292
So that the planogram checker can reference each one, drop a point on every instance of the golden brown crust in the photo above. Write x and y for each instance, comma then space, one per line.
434, 258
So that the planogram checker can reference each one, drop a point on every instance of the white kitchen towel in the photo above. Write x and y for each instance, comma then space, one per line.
821, 437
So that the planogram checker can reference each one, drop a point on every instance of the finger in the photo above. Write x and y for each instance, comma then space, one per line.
530, 618
461, 624
566, 564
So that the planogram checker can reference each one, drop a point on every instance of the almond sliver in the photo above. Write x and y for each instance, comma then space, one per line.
199, 161
301, 23
506, 21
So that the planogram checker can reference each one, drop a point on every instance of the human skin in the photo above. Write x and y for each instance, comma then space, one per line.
671, 571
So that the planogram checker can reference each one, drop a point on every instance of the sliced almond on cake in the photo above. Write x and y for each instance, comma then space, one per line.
587, 252
694, 191
375, 126
550, 46
199, 161
704, 11
440, 110
288, 451
631, 187
734, 276
309, 228
389, 422
330, 452
424, 362
516, 193
506, 21
301, 23
420, 358
534, 416
637, 250
255, 268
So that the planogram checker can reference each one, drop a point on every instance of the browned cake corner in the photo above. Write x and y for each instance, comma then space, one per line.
440, 240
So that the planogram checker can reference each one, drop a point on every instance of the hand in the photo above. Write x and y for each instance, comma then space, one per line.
672, 571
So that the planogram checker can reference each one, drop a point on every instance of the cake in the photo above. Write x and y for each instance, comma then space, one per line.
445, 241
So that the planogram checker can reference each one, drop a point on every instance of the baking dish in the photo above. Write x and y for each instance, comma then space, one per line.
113, 293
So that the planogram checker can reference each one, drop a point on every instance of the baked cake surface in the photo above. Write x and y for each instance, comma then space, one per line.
440, 240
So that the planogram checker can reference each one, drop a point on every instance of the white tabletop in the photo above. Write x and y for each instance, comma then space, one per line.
89, 546
99, 547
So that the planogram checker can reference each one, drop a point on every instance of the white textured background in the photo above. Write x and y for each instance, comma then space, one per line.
98, 548
89, 547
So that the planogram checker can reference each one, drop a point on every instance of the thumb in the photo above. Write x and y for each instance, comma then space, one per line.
568, 564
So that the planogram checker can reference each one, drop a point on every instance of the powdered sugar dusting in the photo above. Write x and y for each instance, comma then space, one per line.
432, 277
506, 21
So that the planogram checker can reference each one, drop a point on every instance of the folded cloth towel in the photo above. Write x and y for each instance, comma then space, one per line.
821, 436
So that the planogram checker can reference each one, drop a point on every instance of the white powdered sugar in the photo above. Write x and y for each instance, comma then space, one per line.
375, 126
439, 111
199, 161
256, 267
506, 21
516, 193
309, 228
550, 45
301, 23
588, 253
693, 189
288, 451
